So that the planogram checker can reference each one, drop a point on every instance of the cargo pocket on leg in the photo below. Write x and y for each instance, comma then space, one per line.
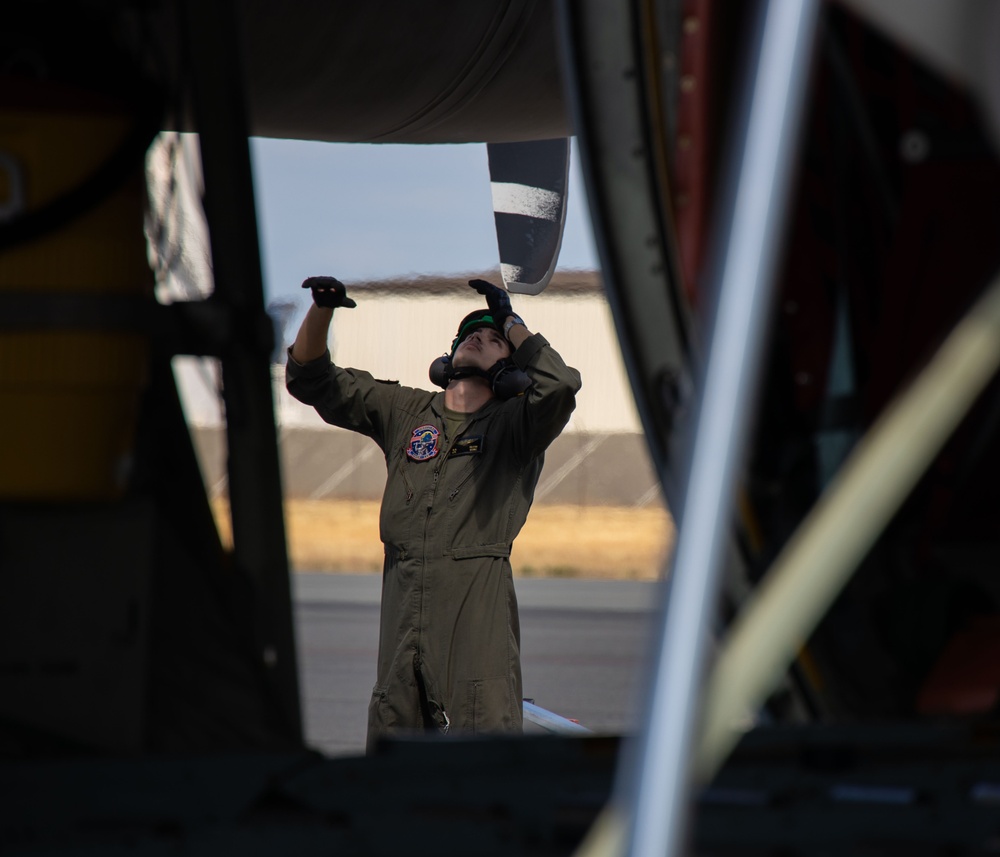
486, 705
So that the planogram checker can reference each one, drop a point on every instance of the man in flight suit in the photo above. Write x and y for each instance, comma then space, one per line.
462, 465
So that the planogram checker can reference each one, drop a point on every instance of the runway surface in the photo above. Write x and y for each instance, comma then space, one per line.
583, 651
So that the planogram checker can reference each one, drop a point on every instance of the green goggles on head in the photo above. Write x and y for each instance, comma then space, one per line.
471, 322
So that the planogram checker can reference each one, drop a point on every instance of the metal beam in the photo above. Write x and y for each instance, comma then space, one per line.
748, 240
259, 546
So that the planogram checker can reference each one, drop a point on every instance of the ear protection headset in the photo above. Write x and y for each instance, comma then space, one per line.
506, 380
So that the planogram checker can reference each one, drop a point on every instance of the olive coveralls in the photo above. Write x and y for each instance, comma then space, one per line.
449, 642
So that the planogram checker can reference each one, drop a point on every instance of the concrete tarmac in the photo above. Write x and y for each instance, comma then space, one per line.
583, 650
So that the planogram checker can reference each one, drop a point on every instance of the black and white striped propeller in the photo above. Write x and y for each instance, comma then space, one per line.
529, 181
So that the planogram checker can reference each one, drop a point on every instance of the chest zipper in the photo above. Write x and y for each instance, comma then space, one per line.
454, 491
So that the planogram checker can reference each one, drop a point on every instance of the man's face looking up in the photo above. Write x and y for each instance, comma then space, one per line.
481, 349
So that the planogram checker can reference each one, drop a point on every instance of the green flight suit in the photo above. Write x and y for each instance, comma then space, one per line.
449, 642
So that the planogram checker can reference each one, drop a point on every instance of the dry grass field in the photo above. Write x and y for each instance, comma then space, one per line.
557, 541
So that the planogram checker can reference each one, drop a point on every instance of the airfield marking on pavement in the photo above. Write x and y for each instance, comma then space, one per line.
343, 472
654, 491
575, 461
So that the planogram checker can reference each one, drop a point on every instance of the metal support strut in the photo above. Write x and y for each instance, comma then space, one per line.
748, 235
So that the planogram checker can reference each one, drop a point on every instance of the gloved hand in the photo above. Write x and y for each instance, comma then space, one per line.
328, 292
497, 300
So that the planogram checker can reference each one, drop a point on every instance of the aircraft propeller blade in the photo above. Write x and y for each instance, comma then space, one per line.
529, 181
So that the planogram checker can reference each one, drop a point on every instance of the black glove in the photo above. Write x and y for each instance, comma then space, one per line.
328, 292
497, 300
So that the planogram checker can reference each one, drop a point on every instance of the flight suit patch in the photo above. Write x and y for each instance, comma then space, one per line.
468, 446
423, 443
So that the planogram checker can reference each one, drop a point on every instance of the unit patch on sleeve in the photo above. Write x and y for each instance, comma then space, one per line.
468, 446
423, 443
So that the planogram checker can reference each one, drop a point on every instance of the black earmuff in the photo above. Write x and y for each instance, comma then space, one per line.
440, 371
506, 380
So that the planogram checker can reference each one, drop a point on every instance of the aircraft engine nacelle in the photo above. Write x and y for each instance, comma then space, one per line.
444, 72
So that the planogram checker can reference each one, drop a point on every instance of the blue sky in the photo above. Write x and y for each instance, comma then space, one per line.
361, 212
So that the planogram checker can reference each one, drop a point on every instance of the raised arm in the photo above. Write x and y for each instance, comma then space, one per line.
550, 400
311, 341
349, 398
